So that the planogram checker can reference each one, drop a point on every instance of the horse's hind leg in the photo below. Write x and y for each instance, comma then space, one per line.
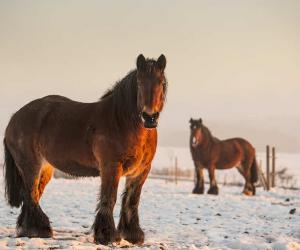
129, 226
213, 189
249, 188
32, 222
45, 176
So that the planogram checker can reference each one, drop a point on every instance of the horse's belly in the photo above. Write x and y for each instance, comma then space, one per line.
76, 169
229, 164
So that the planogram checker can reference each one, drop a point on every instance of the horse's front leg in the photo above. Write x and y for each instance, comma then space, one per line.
104, 225
213, 189
199, 183
129, 226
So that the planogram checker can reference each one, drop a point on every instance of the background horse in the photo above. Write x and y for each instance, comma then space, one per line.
113, 137
211, 153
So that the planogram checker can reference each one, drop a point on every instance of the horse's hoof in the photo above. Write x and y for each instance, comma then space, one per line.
198, 191
248, 192
106, 239
34, 233
101, 240
213, 190
135, 236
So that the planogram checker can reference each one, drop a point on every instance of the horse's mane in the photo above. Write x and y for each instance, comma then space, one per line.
122, 98
209, 138
128, 79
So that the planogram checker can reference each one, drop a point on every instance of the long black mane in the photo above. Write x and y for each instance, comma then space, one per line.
122, 98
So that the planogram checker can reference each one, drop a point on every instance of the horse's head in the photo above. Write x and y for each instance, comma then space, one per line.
152, 87
196, 132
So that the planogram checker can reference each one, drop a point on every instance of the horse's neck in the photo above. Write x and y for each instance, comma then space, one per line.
208, 139
215, 139
118, 118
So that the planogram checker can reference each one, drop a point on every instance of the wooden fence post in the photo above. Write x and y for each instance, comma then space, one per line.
176, 168
268, 166
273, 166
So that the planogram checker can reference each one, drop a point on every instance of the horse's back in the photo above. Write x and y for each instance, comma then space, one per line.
236, 149
27, 123
240, 142
53, 129
55, 98
30, 115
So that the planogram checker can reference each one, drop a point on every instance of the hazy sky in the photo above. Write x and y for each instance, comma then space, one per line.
236, 64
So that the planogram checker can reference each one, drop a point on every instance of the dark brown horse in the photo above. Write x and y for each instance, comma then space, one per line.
211, 153
113, 137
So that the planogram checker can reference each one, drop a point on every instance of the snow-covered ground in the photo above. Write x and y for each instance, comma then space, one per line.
165, 157
171, 216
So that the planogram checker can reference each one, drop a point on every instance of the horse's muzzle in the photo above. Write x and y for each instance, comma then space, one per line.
195, 142
150, 121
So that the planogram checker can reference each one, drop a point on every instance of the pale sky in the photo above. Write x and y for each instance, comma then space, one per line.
236, 64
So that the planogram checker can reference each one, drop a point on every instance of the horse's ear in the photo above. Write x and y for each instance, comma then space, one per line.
200, 120
161, 62
141, 63
191, 120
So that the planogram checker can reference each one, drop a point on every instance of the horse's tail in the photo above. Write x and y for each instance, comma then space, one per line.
254, 171
13, 181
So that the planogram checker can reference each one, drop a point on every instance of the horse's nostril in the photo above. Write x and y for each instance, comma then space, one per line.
145, 116
156, 115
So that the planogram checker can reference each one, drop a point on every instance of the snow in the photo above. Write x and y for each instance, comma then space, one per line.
170, 215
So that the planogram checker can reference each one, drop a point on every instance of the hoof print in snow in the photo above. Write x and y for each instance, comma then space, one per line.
293, 211
287, 199
218, 214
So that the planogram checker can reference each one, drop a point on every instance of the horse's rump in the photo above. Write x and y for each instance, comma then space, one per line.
55, 129
234, 152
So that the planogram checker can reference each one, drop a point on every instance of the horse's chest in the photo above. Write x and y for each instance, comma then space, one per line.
138, 157
203, 156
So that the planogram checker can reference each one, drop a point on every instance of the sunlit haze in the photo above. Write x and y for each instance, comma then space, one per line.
235, 64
